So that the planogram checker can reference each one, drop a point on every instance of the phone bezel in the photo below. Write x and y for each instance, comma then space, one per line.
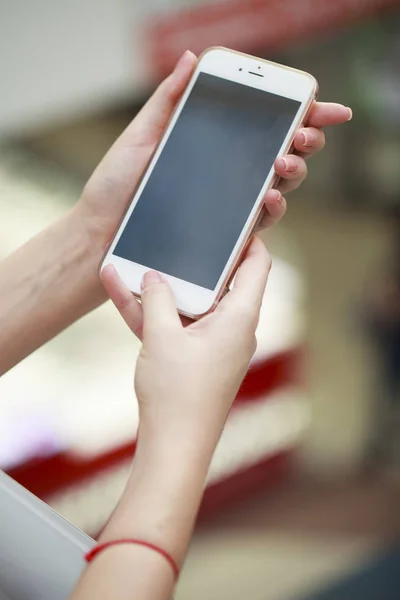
193, 300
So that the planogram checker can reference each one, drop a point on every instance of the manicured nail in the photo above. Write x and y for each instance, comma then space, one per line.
350, 113
307, 139
150, 278
282, 163
290, 165
275, 195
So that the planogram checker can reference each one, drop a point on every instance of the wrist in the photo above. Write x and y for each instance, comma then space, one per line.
180, 441
91, 249
162, 495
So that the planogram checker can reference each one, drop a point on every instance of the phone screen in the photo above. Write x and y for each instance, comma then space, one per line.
207, 178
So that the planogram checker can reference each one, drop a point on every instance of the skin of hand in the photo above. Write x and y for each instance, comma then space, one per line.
138, 142
201, 365
53, 279
186, 380
113, 183
186, 377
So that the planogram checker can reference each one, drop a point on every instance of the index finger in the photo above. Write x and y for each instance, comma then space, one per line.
328, 113
250, 281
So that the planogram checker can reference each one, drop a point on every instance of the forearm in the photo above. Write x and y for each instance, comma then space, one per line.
159, 505
45, 286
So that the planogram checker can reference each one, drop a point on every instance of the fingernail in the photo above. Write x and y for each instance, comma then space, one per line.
290, 165
307, 139
350, 113
275, 195
110, 269
150, 278
282, 163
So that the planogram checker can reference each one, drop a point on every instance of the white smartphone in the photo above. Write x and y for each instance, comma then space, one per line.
202, 194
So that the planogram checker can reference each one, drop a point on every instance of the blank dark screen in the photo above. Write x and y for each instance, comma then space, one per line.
207, 178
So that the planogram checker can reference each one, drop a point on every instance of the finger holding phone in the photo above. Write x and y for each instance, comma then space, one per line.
187, 377
211, 176
186, 380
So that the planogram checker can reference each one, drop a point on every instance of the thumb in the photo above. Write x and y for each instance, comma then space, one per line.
155, 114
124, 163
158, 304
243, 303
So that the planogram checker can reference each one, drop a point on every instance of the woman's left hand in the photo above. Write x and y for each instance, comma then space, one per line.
292, 169
110, 188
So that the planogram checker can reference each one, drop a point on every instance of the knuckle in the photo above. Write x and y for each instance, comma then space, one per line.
247, 316
123, 303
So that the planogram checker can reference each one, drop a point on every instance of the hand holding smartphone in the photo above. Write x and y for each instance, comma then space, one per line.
202, 194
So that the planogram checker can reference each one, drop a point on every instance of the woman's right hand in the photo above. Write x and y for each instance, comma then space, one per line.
187, 377
186, 380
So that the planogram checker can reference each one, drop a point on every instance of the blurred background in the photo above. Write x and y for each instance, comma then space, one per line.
303, 495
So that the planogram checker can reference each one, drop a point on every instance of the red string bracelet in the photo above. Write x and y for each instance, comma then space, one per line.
89, 556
